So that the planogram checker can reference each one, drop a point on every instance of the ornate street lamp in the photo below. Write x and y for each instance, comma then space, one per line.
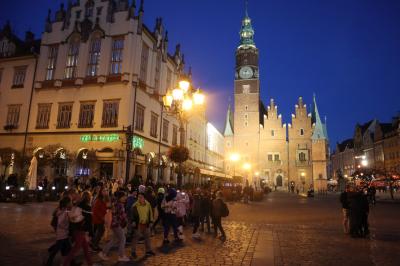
178, 102
181, 100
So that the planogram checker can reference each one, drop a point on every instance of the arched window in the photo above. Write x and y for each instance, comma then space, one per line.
72, 58
302, 156
94, 56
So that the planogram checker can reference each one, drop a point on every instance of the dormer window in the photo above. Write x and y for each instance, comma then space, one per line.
72, 59
301, 132
94, 57
78, 14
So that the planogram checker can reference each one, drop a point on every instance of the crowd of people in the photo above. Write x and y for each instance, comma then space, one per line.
355, 207
98, 216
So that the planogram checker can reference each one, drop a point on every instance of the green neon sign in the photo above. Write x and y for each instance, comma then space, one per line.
137, 142
100, 138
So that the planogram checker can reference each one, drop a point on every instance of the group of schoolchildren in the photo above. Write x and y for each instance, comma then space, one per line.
117, 216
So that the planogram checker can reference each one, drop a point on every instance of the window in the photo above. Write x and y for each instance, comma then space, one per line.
116, 55
43, 115
165, 130
110, 113
19, 77
99, 9
72, 60
302, 157
153, 125
94, 57
246, 107
78, 14
301, 132
13, 115
276, 157
139, 125
86, 115
169, 78
51, 62
270, 157
246, 116
157, 72
246, 89
245, 124
64, 115
1, 74
143, 63
272, 133
89, 10
174, 135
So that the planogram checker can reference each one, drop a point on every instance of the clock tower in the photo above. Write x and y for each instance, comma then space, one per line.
247, 98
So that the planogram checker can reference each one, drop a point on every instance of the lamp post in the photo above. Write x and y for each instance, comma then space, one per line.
178, 102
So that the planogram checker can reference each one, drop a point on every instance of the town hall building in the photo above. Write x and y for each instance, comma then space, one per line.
285, 156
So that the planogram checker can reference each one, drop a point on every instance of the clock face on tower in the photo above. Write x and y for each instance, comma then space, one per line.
246, 72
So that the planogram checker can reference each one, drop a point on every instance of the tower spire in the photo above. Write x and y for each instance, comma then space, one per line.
246, 31
246, 6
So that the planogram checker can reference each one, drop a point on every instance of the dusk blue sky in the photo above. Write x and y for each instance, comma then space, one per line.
345, 51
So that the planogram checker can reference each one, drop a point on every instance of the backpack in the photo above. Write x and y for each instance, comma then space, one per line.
224, 209
54, 220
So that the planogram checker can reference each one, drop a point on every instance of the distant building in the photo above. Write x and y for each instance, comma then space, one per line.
18, 59
375, 146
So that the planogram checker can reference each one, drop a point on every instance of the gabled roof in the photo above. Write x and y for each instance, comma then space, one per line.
228, 123
346, 144
320, 131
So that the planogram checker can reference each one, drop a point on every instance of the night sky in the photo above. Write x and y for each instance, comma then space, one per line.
345, 51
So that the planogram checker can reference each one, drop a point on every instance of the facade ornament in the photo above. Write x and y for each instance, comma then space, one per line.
60, 14
140, 18
131, 11
48, 26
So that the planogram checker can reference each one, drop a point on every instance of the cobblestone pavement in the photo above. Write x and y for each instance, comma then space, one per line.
282, 230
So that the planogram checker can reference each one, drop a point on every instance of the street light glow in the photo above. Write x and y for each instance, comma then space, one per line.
184, 85
234, 157
246, 166
198, 98
177, 94
187, 104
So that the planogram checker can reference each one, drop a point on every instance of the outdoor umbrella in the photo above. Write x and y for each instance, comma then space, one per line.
32, 174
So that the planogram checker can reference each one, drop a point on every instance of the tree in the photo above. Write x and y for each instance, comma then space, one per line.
179, 155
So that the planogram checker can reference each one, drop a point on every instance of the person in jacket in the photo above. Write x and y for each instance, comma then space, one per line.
132, 199
87, 213
77, 221
118, 223
205, 210
63, 243
196, 212
169, 207
345, 209
217, 213
99, 211
160, 211
182, 201
142, 213
355, 213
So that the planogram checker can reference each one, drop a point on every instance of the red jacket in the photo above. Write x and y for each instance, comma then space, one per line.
99, 210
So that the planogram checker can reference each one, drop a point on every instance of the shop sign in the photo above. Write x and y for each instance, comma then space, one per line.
100, 138
137, 142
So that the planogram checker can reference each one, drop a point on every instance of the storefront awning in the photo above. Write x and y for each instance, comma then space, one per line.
213, 173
